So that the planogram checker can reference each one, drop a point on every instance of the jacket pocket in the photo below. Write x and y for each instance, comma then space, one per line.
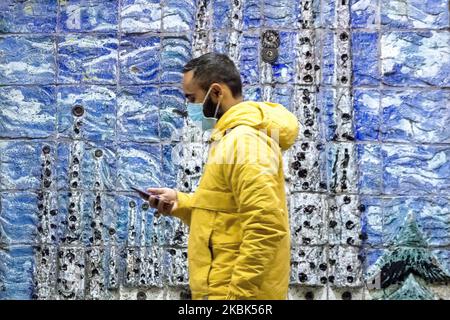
224, 257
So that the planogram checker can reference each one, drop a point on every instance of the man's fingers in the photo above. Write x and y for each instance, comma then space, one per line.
156, 190
160, 200
160, 207
167, 206
154, 201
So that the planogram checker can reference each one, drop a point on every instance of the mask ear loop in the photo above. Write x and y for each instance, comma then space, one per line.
217, 108
206, 96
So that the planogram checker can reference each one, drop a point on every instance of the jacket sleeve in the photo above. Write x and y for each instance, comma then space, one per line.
184, 208
255, 184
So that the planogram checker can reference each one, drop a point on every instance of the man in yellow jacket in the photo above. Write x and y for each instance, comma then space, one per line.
239, 240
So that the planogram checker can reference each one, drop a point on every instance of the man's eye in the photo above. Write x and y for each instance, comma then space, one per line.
191, 99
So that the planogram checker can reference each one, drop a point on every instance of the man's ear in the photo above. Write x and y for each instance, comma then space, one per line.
216, 91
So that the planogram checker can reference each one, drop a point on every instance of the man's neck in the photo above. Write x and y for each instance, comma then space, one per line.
232, 102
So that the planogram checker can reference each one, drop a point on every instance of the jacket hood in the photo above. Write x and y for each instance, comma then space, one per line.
278, 122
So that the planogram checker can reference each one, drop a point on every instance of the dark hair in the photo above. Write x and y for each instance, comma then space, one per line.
215, 67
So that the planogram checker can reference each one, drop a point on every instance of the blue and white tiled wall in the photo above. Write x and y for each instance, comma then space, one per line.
89, 94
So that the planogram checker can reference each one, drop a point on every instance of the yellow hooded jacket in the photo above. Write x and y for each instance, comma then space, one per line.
239, 240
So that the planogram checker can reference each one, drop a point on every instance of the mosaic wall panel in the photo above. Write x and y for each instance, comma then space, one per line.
91, 104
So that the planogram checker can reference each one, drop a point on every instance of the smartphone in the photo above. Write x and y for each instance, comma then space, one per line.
144, 194
167, 206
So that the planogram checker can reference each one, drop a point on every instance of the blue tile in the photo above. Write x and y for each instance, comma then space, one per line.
342, 167
18, 218
326, 98
123, 209
416, 116
87, 58
316, 7
283, 69
101, 169
370, 168
252, 93
416, 58
170, 156
416, 169
130, 206
138, 114
176, 52
85, 205
432, 14
363, 13
95, 15
371, 220
249, 68
139, 59
251, 14
16, 273
220, 41
99, 119
139, 165
28, 16
443, 256
139, 16
365, 58
109, 215
221, 14
178, 15
171, 117
371, 257
366, 106
172, 232
27, 60
174, 273
95, 171
328, 57
432, 215
434, 219
282, 13
27, 112
64, 202
283, 96
21, 164
329, 14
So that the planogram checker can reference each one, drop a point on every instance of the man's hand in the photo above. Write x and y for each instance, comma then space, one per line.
163, 199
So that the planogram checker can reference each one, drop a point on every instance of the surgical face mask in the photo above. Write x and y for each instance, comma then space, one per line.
195, 113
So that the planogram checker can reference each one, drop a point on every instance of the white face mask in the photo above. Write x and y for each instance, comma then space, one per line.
195, 113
